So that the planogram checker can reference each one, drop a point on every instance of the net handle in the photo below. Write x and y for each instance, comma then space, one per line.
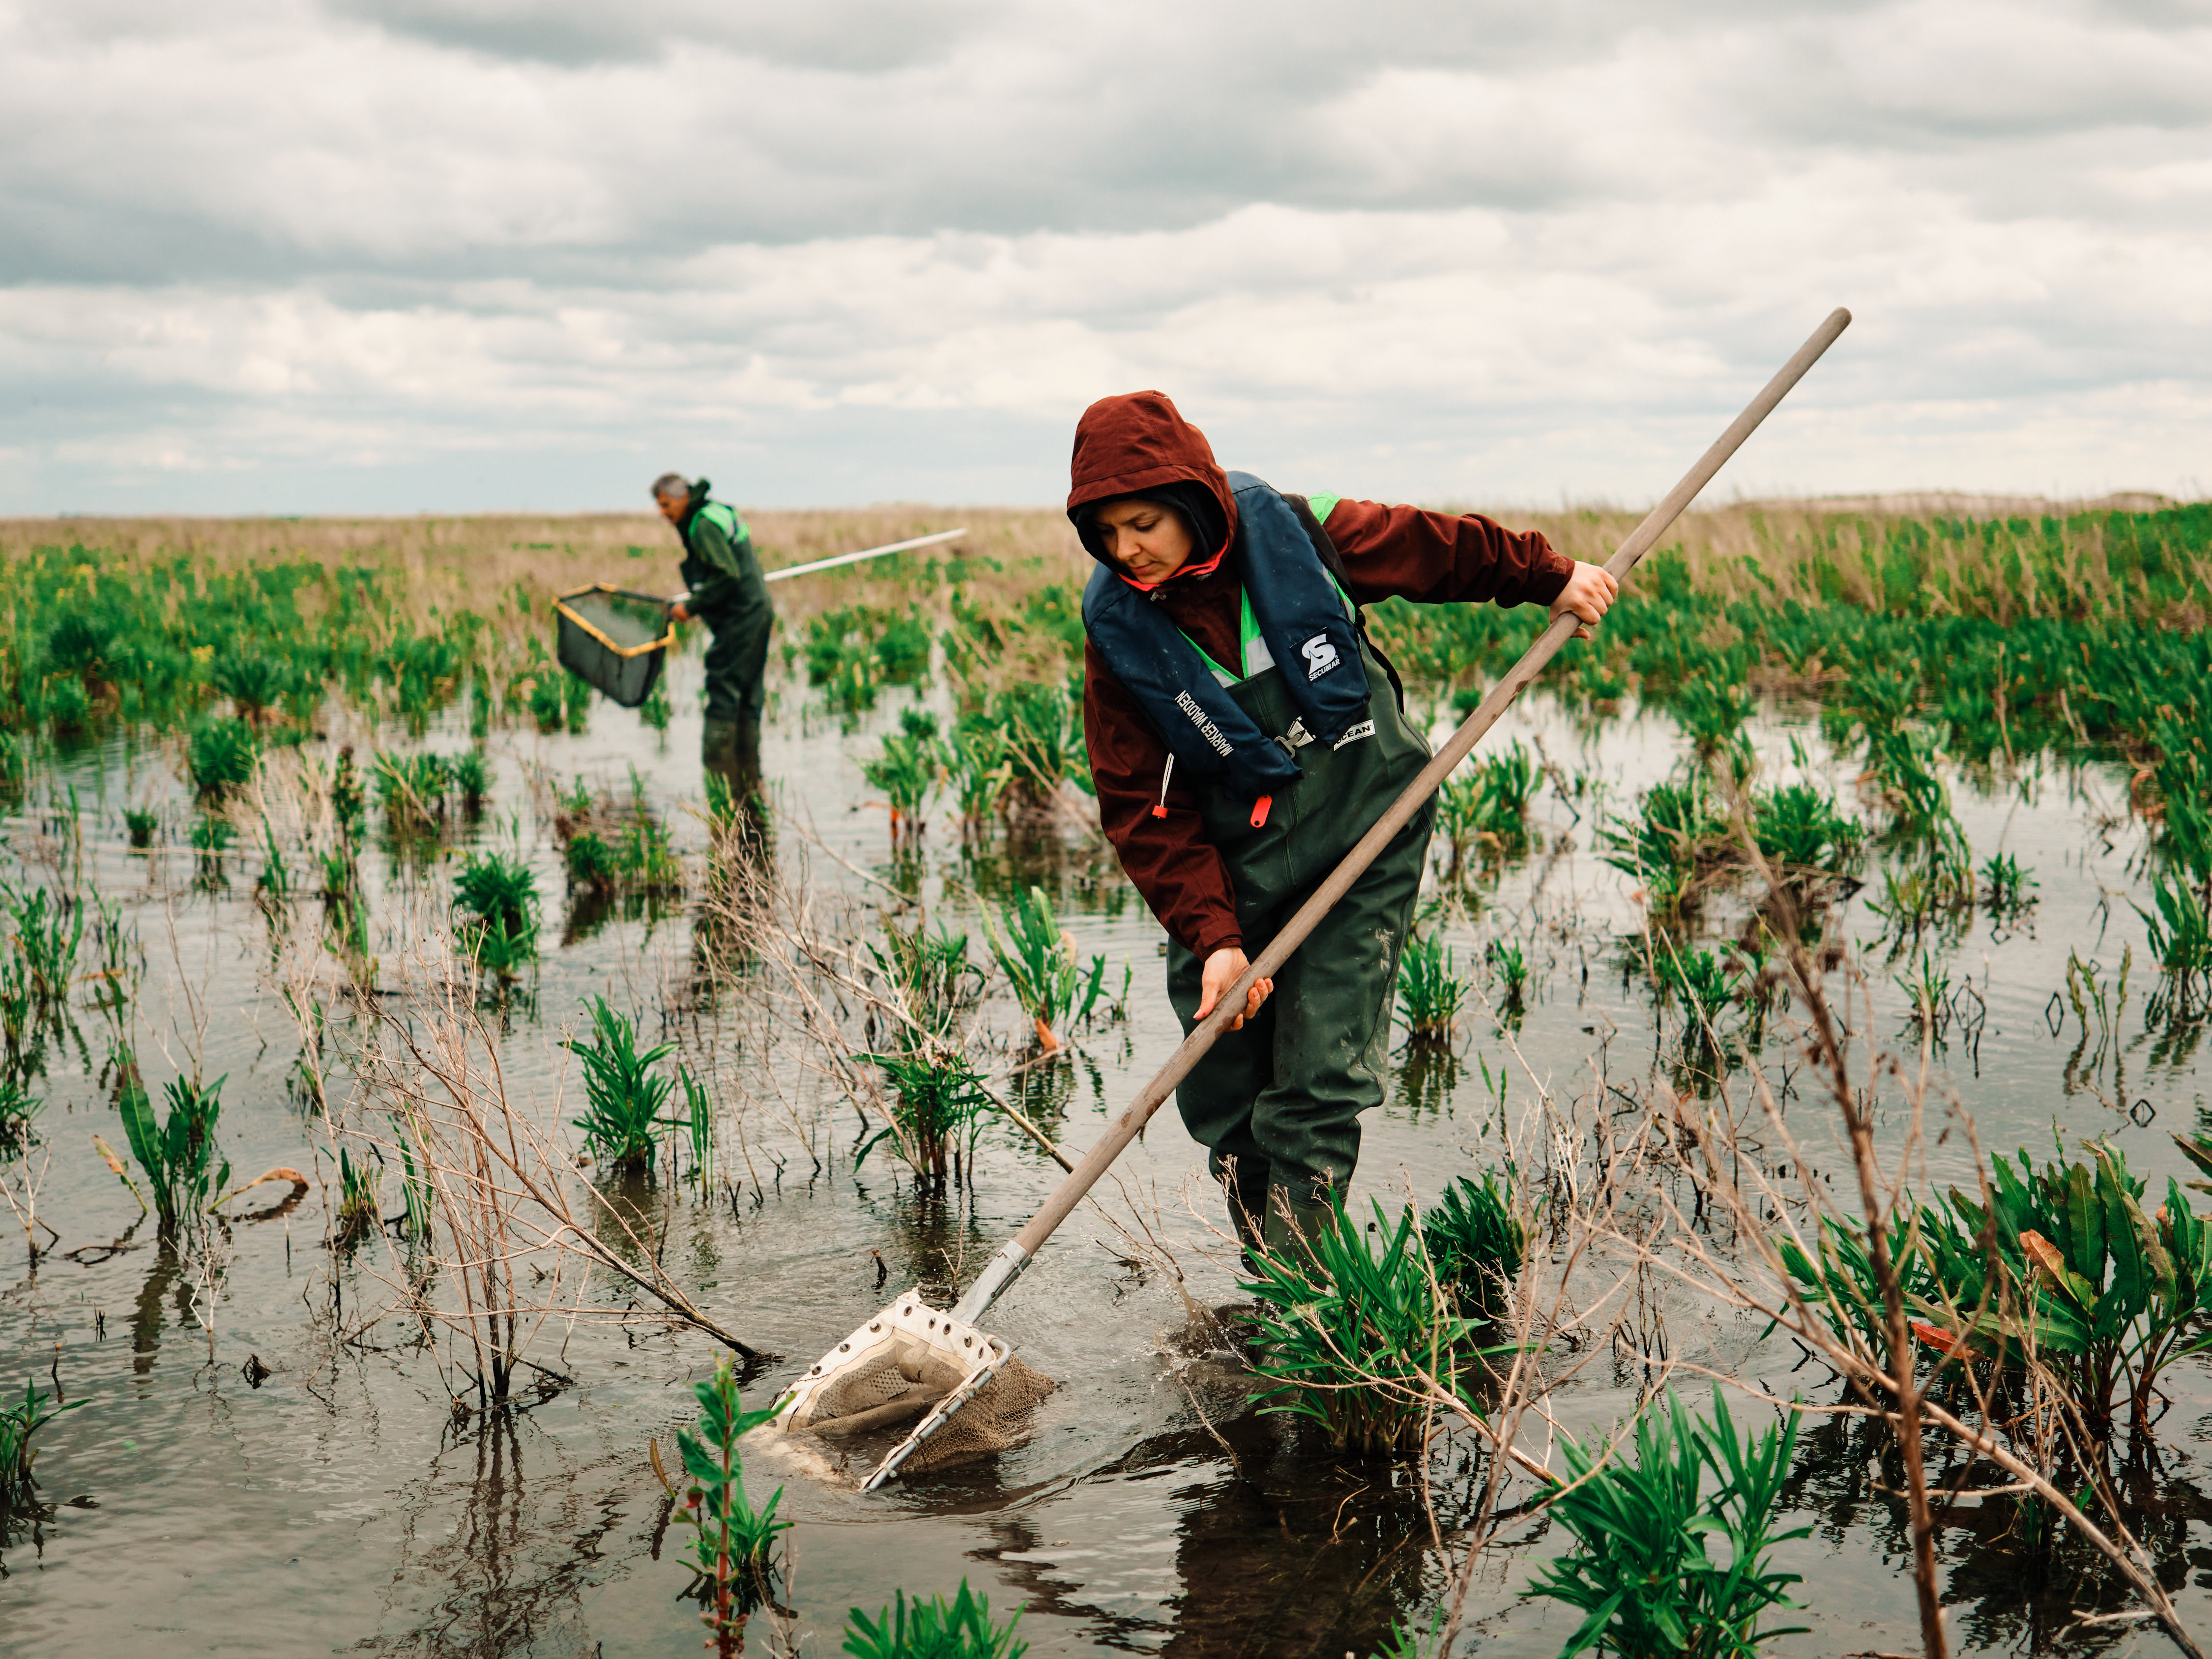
1096, 1161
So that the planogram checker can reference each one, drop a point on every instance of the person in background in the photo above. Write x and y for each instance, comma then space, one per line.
1244, 733
728, 594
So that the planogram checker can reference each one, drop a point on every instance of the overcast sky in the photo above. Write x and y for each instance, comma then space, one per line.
389, 255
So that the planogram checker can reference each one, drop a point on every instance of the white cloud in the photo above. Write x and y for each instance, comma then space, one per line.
393, 254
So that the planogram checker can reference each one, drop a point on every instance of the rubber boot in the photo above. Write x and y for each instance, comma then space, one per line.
1245, 1186
719, 757
1292, 1223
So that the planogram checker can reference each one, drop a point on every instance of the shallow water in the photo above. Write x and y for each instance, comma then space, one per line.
341, 1504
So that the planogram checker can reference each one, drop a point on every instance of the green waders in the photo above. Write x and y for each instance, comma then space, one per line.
1279, 1101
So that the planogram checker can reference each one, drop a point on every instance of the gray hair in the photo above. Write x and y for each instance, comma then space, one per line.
672, 485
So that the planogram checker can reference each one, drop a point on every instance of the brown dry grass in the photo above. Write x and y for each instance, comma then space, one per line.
1740, 550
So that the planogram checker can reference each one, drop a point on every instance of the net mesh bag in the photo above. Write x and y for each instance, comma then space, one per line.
997, 1418
911, 1348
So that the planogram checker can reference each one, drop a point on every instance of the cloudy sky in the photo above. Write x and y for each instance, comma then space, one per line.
390, 255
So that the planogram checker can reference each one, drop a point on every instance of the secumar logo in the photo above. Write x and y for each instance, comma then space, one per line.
1320, 656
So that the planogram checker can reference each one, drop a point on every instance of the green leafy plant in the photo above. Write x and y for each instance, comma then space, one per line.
19, 1108
734, 1549
412, 788
359, 1212
1430, 990
2106, 1293
1474, 1243
1509, 963
656, 711
1039, 962
497, 897
1801, 829
1703, 985
473, 777
1644, 1574
2006, 889
979, 770
957, 1627
2181, 941
591, 862
222, 756
1041, 725
17, 1424
1347, 1333
179, 1156
1713, 712
937, 1099
906, 771
622, 1092
140, 823
937, 985
1486, 805
1672, 838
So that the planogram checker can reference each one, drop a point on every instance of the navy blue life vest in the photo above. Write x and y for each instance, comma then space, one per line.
1295, 620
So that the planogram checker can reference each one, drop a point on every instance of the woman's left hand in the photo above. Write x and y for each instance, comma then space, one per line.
1589, 592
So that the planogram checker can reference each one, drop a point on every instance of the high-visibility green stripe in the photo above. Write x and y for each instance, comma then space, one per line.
1321, 507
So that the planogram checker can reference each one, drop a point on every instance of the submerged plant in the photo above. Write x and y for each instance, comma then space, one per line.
1643, 1573
1349, 1334
139, 824
956, 1627
906, 771
734, 1549
938, 984
1487, 804
1039, 962
1430, 990
2006, 889
623, 1093
17, 1424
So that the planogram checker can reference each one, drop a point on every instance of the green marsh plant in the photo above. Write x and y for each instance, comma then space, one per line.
958, 1627
1475, 1243
1039, 962
735, 1549
1645, 1574
220, 754
183, 1169
623, 1093
1430, 992
497, 898
18, 1424
1349, 1332
938, 1101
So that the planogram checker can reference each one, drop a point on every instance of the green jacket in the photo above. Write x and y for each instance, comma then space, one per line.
719, 567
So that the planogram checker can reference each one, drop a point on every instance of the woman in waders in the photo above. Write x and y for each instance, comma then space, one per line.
1243, 733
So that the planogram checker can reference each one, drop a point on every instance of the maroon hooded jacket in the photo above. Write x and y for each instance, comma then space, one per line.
1137, 441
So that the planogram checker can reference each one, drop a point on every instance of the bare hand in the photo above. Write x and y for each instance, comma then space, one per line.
1589, 592
678, 612
1222, 969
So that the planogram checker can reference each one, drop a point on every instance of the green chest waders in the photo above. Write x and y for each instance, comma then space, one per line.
1279, 1101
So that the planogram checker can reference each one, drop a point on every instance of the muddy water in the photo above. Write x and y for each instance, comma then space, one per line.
342, 1505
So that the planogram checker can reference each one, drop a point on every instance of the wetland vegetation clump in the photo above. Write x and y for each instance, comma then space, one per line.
221, 755
17, 1424
1039, 961
937, 1098
1643, 1572
178, 1155
958, 1627
906, 771
1475, 1243
622, 1091
1486, 805
1350, 1334
1430, 992
736, 1554
497, 897
19, 1108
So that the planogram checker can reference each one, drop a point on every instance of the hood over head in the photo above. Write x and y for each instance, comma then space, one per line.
1136, 444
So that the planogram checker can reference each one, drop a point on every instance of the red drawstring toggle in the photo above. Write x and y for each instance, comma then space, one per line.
1260, 811
1159, 808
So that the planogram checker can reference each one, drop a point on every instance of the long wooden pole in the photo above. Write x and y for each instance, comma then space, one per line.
1008, 1263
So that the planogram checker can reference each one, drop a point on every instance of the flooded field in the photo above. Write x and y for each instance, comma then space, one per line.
287, 1438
